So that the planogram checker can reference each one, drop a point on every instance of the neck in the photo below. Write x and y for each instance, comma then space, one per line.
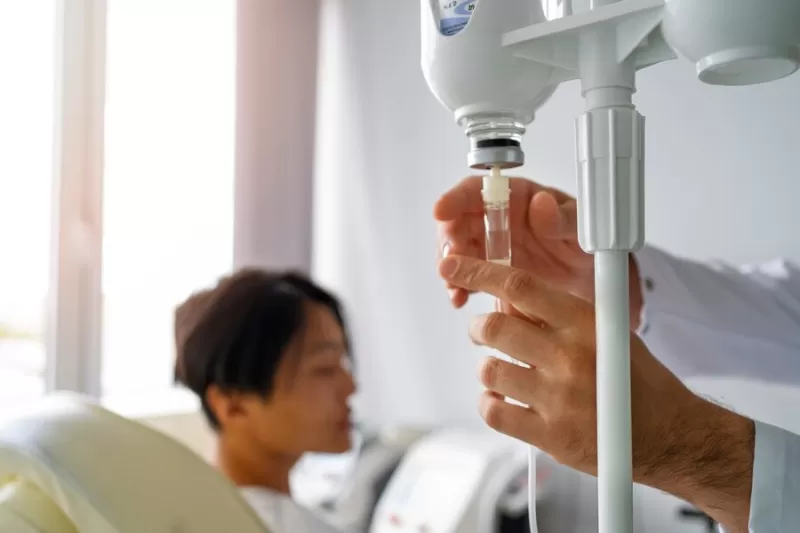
248, 467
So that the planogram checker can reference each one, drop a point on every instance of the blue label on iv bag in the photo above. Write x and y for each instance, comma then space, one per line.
454, 15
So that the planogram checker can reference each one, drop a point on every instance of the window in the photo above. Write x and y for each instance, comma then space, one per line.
117, 121
27, 66
168, 180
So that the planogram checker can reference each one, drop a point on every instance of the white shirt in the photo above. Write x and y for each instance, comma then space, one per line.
715, 320
282, 515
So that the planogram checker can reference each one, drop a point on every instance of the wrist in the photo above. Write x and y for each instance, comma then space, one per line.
711, 464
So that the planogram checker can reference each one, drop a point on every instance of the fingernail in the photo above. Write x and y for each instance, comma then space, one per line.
452, 293
446, 250
479, 370
475, 329
448, 266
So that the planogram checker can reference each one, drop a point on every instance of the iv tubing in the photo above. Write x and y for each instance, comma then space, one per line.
532, 522
496, 195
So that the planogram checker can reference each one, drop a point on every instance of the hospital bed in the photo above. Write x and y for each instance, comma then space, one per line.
69, 466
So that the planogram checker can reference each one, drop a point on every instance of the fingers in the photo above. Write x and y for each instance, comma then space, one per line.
513, 336
516, 287
513, 420
464, 231
462, 237
526, 385
553, 219
459, 237
552, 211
462, 199
458, 297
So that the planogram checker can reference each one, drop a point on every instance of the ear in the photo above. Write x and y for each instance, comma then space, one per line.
228, 407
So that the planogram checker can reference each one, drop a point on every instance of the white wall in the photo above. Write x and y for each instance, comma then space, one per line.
722, 181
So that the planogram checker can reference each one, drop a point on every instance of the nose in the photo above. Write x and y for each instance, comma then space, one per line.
348, 384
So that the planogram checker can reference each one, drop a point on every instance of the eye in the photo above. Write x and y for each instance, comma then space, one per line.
326, 371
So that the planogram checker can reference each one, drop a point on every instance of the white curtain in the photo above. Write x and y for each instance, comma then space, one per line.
275, 114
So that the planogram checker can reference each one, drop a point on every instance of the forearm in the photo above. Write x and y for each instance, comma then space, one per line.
709, 463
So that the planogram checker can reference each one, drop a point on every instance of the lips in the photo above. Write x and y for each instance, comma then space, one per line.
346, 422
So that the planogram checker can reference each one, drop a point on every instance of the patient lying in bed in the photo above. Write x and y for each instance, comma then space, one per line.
267, 354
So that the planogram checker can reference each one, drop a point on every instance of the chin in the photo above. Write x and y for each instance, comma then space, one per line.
344, 446
339, 445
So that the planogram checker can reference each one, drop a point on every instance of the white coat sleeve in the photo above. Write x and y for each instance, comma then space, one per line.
775, 496
716, 320
712, 320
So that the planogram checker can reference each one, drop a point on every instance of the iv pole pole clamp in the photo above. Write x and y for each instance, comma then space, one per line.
610, 148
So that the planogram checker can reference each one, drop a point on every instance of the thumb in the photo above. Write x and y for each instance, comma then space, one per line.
551, 219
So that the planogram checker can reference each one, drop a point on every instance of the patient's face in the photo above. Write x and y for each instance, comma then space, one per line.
308, 410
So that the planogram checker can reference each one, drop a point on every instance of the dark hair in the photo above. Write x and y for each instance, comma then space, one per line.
235, 335
187, 315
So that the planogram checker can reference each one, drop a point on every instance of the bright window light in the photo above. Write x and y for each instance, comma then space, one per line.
169, 167
27, 46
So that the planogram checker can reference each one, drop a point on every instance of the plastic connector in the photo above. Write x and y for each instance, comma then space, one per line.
610, 152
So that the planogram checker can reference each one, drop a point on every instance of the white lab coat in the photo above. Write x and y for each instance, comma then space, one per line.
283, 515
715, 320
